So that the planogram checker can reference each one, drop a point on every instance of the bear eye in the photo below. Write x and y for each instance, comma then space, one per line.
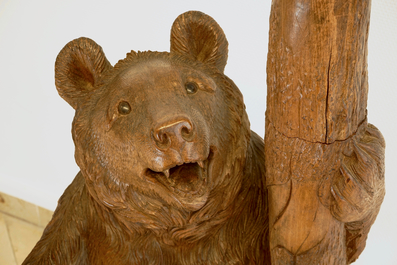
191, 87
124, 108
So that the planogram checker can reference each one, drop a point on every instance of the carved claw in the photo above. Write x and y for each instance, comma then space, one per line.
167, 173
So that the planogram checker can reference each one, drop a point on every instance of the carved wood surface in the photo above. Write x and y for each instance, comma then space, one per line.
172, 174
324, 163
170, 170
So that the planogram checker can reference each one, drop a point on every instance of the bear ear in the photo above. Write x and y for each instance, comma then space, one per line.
79, 69
198, 36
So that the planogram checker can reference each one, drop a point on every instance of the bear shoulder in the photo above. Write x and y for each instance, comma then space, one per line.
64, 231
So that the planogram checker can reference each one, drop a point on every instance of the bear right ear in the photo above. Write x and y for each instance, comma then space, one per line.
79, 69
198, 36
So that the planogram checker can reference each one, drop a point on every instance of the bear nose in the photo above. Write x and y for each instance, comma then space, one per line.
173, 134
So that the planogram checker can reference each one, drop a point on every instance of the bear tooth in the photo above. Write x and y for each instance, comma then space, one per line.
167, 173
201, 164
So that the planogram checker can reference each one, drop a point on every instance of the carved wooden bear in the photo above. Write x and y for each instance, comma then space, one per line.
170, 171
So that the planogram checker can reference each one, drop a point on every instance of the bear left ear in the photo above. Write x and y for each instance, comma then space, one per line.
79, 69
198, 36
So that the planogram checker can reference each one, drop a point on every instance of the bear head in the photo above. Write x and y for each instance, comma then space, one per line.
161, 138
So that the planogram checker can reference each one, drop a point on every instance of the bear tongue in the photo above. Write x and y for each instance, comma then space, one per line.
186, 176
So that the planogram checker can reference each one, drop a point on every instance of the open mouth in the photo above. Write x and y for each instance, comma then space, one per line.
186, 180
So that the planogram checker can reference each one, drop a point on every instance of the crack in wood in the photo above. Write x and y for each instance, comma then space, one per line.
327, 98
316, 142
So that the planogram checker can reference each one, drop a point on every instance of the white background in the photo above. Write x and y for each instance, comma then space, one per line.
36, 148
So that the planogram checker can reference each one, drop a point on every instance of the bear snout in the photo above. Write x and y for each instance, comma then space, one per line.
173, 134
175, 140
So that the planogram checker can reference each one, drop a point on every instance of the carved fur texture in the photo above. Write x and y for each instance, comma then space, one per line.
170, 171
335, 203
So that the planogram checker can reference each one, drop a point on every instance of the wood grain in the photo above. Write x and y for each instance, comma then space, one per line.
324, 163
170, 170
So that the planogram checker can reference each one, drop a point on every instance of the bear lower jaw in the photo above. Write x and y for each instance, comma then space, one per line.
186, 182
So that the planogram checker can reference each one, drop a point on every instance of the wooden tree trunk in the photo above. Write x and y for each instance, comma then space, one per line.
324, 162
